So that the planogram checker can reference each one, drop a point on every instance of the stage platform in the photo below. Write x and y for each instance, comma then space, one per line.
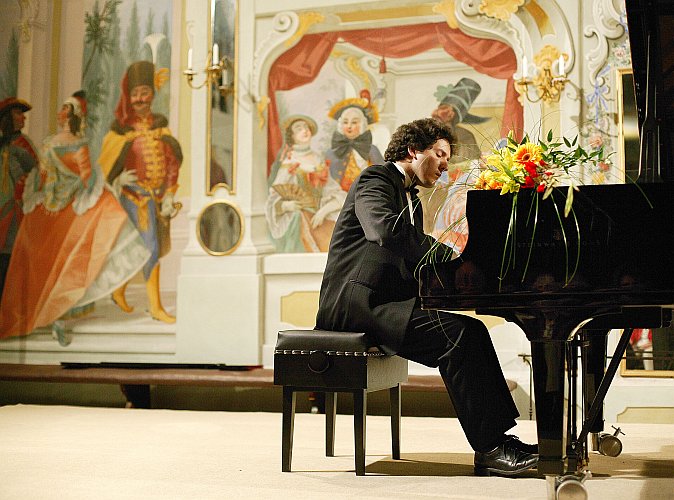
83, 453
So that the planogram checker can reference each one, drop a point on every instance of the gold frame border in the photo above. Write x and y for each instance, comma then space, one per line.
621, 137
241, 227
624, 372
210, 190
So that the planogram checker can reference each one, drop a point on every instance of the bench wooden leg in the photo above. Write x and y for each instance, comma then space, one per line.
287, 428
330, 416
359, 413
394, 394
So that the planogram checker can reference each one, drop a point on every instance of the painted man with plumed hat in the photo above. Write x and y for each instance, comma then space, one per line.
141, 159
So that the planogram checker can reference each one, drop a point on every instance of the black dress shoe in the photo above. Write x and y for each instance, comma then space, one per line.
504, 460
526, 448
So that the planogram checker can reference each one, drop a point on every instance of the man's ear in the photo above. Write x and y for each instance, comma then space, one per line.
411, 153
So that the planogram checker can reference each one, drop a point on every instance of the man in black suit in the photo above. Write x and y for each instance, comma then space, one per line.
369, 285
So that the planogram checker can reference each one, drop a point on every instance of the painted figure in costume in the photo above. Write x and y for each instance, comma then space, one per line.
141, 159
17, 159
454, 102
352, 149
75, 244
304, 200
446, 207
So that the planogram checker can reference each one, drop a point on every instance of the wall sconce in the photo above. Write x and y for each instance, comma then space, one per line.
546, 86
219, 72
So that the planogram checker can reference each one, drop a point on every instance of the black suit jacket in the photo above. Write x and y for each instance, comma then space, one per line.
369, 283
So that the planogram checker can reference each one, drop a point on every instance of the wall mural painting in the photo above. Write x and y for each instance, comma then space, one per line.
9, 49
331, 115
93, 210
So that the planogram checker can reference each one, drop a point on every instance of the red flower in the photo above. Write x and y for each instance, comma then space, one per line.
531, 169
540, 188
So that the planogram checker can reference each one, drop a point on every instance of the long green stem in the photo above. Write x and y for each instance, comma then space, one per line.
534, 203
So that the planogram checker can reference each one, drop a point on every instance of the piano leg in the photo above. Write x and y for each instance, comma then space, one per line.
593, 356
549, 391
575, 451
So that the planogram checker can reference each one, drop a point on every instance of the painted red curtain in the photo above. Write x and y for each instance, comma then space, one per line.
301, 64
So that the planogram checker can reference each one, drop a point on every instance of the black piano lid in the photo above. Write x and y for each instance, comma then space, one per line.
651, 35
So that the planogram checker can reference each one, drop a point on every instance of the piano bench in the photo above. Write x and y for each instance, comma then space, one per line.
332, 362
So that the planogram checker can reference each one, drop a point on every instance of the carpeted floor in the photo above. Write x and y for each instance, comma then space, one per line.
55, 452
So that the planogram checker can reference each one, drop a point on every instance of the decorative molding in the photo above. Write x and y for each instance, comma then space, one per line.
474, 22
361, 70
284, 26
608, 27
500, 9
515, 30
446, 8
307, 20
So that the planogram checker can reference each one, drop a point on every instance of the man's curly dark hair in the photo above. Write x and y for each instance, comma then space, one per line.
419, 135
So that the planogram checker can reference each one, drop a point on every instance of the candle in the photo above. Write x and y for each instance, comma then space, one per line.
189, 59
216, 54
562, 73
525, 64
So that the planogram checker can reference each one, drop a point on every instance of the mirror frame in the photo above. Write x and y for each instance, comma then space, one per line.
620, 73
241, 227
212, 188
620, 100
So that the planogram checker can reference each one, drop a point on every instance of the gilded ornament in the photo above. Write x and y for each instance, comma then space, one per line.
306, 21
500, 9
446, 8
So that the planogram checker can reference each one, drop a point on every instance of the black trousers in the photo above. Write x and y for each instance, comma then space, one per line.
460, 346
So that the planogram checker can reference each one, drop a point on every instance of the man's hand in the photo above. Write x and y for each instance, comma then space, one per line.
167, 207
127, 177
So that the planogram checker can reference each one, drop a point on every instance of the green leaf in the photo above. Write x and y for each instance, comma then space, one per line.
569, 201
566, 141
549, 135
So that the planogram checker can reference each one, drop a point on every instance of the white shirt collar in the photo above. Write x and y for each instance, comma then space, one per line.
408, 181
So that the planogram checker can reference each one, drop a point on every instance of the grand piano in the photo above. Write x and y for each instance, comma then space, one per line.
611, 266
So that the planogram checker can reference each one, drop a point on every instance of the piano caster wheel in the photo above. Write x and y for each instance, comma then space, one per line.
569, 487
608, 444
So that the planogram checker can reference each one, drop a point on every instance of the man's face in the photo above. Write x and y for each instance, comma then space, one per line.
18, 119
428, 165
350, 122
445, 113
141, 99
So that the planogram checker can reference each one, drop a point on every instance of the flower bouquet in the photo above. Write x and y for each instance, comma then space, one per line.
542, 168
541, 165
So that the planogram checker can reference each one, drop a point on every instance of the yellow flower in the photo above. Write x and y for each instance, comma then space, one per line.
489, 179
511, 186
528, 154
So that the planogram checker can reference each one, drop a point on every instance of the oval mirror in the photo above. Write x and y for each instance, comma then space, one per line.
220, 228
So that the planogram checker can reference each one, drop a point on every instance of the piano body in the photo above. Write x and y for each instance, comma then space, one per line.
610, 266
